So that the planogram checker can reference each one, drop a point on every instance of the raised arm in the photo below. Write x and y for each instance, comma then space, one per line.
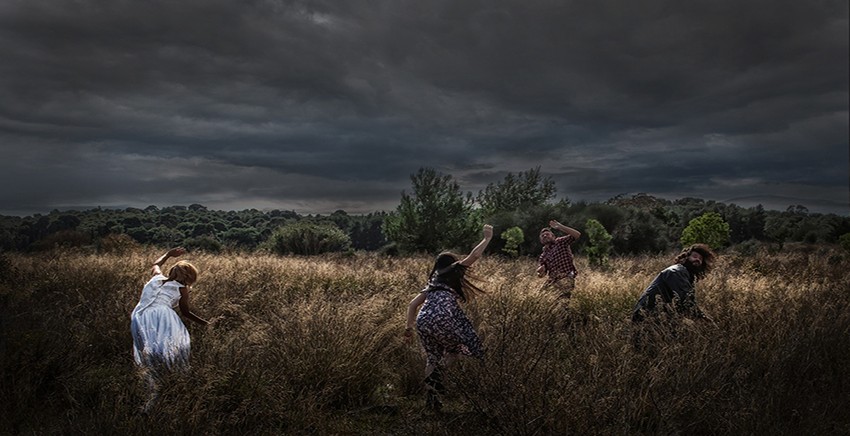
157, 264
479, 249
568, 230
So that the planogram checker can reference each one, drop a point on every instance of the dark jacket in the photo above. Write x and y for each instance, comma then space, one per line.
674, 284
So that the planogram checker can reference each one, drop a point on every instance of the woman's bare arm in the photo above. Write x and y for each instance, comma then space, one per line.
157, 264
479, 249
185, 308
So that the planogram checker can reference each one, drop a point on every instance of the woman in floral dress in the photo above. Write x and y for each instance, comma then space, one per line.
443, 327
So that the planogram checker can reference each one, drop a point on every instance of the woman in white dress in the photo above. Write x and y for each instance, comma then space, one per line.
160, 340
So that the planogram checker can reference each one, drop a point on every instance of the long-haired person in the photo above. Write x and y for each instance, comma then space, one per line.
675, 285
160, 340
443, 327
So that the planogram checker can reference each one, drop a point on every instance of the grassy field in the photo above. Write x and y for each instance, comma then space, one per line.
314, 346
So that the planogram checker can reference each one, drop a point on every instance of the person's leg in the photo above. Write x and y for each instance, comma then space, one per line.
433, 377
565, 287
563, 290
152, 383
434, 380
433, 387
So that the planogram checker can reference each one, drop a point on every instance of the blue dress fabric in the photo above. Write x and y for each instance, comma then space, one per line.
159, 336
443, 327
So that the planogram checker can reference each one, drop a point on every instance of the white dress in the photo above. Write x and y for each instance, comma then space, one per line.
159, 336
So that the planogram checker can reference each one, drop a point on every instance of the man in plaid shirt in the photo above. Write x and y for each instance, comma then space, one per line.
556, 260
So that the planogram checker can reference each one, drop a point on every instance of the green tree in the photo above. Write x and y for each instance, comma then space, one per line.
244, 237
526, 189
708, 228
513, 237
341, 219
640, 232
599, 247
203, 243
308, 238
366, 233
64, 222
167, 236
778, 229
435, 216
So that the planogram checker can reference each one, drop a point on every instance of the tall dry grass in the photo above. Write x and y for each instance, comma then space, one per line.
313, 346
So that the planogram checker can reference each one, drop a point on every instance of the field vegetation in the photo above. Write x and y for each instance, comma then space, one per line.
313, 345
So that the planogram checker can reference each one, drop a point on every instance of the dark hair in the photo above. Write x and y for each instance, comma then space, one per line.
447, 270
708, 257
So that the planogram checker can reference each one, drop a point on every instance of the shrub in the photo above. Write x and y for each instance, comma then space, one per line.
708, 228
246, 237
203, 243
844, 240
513, 237
600, 243
308, 239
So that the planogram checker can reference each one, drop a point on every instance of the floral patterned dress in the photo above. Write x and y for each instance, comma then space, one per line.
443, 326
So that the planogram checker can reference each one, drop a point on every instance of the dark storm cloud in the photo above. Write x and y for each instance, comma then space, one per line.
326, 105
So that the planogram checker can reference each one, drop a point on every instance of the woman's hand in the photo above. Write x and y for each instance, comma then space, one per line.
488, 231
176, 251
408, 334
214, 321
479, 249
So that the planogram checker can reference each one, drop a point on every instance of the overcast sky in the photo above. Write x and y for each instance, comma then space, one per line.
318, 106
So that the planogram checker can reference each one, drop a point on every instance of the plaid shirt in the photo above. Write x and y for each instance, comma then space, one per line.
557, 258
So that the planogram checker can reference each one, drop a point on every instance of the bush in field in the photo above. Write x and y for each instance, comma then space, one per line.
245, 237
308, 239
844, 240
708, 228
513, 237
600, 243
203, 243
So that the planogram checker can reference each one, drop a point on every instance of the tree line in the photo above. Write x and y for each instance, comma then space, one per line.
435, 214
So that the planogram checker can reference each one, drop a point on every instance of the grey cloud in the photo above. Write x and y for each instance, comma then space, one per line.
607, 97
